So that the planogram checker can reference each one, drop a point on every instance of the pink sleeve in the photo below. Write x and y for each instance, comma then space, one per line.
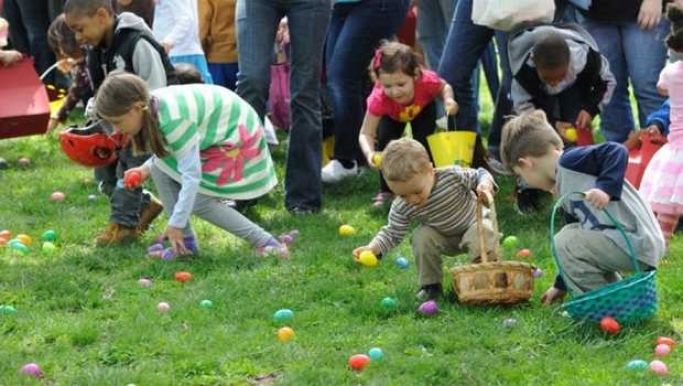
376, 102
664, 77
432, 83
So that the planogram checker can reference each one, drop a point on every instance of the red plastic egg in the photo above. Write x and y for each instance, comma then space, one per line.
359, 361
183, 276
610, 325
524, 253
132, 180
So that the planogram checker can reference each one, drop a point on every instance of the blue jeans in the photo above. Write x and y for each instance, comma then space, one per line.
355, 32
635, 54
224, 74
257, 22
465, 44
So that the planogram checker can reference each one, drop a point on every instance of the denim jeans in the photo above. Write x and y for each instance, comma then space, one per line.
355, 32
465, 44
29, 21
634, 54
257, 22
224, 74
126, 204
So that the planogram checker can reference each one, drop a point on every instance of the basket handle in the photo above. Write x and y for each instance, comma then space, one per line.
481, 235
620, 228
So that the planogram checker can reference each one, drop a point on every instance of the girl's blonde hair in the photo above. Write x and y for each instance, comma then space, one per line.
117, 95
527, 135
393, 57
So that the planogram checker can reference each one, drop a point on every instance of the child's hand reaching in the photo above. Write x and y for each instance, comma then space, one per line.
485, 190
584, 120
175, 237
128, 175
552, 295
598, 198
451, 106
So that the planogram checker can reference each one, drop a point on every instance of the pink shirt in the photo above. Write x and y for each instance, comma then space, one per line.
427, 87
671, 79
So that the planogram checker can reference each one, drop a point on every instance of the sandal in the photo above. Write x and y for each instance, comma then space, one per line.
382, 198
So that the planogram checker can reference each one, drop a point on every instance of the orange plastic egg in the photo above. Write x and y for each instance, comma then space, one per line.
183, 276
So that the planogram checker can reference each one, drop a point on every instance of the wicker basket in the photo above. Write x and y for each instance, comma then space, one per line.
493, 281
628, 300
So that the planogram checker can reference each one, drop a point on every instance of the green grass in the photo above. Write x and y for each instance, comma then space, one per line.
83, 317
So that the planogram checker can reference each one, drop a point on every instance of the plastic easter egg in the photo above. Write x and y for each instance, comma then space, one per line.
283, 315
19, 248
287, 239
402, 262
571, 134
428, 308
537, 273
49, 248
377, 159
132, 180
145, 282
92, 197
6, 234
24, 162
206, 303
58, 196
636, 364
6, 309
183, 276
49, 236
163, 307
359, 361
346, 230
31, 369
524, 253
509, 322
665, 340
368, 259
376, 354
610, 325
662, 350
388, 303
285, 334
659, 367
25, 239
510, 242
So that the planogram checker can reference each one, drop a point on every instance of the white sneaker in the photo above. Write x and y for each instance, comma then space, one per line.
334, 172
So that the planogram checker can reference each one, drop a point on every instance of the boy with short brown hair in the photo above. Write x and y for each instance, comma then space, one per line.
443, 201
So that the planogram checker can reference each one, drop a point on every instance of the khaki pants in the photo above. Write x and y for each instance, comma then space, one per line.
429, 245
590, 259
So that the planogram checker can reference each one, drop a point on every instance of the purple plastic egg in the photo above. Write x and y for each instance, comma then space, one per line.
287, 239
538, 273
31, 369
428, 308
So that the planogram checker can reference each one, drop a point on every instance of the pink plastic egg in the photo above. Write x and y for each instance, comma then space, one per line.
659, 368
145, 282
428, 308
58, 196
31, 369
662, 350
163, 307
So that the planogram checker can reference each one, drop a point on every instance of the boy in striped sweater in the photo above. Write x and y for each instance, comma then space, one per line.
443, 201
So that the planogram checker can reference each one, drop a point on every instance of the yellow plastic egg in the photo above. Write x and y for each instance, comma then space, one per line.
25, 239
368, 259
346, 230
285, 334
377, 159
571, 134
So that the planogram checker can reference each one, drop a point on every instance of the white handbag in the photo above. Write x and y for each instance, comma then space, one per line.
505, 15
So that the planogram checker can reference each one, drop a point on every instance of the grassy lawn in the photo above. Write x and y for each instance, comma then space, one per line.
85, 319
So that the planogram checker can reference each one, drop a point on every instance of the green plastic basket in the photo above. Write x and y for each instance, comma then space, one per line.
628, 300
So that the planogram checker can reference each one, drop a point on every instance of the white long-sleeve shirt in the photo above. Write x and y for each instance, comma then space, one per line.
175, 23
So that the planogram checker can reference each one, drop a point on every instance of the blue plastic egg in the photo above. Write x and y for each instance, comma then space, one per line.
402, 262
376, 354
283, 315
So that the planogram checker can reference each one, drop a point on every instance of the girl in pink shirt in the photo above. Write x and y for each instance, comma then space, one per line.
404, 92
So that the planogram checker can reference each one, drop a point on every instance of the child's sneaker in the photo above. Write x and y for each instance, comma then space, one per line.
429, 292
274, 248
158, 251
117, 234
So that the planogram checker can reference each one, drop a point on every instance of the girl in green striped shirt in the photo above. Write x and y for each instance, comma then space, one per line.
207, 145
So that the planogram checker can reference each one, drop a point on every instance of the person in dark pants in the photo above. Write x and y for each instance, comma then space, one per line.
404, 92
29, 21
257, 23
355, 31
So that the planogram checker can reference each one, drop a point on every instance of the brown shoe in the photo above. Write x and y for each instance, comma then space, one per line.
117, 234
151, 212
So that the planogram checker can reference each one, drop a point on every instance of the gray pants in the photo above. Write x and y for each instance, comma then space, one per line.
210, 209
126, 204
590, 259
429, 245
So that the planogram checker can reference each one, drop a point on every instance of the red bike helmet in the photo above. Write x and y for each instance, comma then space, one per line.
91, 145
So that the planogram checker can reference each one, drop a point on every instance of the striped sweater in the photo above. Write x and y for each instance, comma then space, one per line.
449, 208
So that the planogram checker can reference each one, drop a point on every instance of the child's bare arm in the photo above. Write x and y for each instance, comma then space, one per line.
450, 105
368, 135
